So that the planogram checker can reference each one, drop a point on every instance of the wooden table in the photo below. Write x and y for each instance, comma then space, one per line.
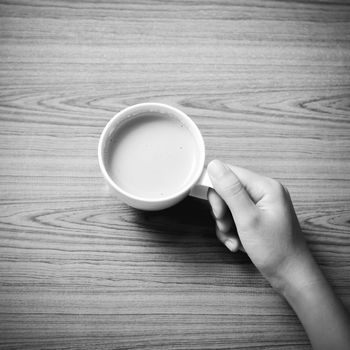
268, 85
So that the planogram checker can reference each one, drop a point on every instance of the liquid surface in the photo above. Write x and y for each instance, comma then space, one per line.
152, 157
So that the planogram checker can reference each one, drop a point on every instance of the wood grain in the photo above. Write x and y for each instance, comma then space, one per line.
268, 85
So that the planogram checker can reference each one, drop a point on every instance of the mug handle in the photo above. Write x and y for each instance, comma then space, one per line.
201, 187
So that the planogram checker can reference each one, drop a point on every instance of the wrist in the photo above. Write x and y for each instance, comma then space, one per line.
321, 312
297, 275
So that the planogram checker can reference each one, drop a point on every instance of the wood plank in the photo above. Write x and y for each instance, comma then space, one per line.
268, 85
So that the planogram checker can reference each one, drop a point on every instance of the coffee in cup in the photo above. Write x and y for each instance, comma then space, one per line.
152, 155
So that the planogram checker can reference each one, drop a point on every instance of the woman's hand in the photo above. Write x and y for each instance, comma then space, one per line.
256, 214
262, 212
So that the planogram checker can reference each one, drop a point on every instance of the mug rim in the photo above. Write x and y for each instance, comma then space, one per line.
197, 136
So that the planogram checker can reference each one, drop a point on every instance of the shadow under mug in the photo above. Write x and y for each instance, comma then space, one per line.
199, 181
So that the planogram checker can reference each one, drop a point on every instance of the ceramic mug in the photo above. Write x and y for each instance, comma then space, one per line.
198, 181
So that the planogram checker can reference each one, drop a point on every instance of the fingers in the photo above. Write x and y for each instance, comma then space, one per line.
231, 190
224, 222
231, 241
256, 184
218, 206
262, 189
222, 215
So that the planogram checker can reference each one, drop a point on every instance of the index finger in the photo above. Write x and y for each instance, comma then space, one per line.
256, 185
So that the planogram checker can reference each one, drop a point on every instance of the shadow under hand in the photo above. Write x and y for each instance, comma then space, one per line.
187, 232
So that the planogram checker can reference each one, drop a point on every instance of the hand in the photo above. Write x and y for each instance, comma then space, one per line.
262, 211
268, 230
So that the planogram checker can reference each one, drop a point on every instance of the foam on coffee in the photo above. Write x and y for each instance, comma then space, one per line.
152, 156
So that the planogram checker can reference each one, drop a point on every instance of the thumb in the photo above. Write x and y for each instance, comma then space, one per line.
230, 189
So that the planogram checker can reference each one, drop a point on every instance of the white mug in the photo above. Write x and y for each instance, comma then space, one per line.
199, 181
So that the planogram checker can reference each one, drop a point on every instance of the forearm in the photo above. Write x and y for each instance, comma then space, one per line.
321, 312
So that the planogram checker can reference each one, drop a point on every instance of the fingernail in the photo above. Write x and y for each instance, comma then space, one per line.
217, 169
232, 244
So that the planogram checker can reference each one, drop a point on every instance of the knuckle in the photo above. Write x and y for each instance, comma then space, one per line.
280, 190
252, 222
219, 234
277, 187
231, 186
